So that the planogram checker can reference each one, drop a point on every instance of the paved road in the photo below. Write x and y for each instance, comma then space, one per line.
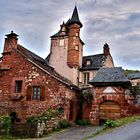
128, 132
76, 133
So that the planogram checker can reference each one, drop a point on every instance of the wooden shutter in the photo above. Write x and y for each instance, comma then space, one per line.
42, 96
29, 93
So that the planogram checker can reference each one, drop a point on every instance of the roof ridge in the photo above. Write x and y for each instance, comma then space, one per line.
94, 55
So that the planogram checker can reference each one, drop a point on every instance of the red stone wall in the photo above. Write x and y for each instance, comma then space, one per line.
73, 54
56, 94
118, 96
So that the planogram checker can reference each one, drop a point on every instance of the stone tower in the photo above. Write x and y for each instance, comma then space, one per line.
67, 49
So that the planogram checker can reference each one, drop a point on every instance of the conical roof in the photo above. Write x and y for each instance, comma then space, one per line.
75, 18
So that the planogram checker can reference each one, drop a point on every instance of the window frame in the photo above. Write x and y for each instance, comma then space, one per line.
86, 77
36, 93
18, 86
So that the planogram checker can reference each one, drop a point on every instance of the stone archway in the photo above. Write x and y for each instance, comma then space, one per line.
109, 110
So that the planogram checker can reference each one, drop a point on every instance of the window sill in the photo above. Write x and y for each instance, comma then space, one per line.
16, 96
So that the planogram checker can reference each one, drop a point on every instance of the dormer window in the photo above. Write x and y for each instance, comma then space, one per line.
88, 62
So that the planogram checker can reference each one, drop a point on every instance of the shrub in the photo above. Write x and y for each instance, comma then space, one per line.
83, 122
5, 125
110, 124
47, 115
31, 120
64, 124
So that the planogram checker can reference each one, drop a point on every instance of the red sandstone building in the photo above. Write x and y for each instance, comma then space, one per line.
29, 84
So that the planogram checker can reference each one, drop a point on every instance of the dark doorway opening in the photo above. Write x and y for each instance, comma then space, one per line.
71, 110
13, 116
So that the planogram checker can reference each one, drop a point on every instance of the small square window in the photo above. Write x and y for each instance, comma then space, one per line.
36, 92
18, 86
88, 62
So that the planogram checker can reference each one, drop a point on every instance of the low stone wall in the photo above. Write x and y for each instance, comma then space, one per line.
36, 129
24, 130
47, 126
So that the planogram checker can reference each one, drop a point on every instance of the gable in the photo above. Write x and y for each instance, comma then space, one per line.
109, 90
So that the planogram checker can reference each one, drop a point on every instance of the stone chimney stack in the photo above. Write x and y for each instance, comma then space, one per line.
10, 42
106, 49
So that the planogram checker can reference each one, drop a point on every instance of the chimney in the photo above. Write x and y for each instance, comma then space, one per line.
106, 49
10, 42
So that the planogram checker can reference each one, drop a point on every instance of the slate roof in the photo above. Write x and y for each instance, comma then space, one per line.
96, 62
110, 76
44, 65
134, 75
74, 18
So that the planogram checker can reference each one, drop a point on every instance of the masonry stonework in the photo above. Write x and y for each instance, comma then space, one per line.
54, 93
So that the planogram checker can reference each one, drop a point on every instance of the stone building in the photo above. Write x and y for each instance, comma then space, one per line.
29, 84
66, 54
134, 78
110, 95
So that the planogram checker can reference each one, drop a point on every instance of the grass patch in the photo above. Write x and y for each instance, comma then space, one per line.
120, 122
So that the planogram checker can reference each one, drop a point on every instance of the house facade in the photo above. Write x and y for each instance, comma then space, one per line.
66, 54
134, 78
29, 86
111, 95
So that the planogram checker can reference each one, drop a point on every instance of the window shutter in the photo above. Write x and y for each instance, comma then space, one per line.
42, 96
29, 93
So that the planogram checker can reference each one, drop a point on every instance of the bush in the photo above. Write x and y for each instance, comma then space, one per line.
110, 124
83, 122
48, 115
64, 124
5, 125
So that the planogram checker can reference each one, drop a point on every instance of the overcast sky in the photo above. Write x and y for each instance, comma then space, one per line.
116, 22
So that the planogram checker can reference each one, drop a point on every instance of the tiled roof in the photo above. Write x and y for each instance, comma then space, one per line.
42, 64
110, 76
96, 62
58, 34
134, 75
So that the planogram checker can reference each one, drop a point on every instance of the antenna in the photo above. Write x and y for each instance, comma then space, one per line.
75, 3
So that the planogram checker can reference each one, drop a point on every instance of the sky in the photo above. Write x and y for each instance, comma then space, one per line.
116, 22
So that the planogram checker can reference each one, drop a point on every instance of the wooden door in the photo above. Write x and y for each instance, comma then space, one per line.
109, 110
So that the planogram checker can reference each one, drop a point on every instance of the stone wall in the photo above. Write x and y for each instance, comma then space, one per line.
56, 94
116, 94
37, 129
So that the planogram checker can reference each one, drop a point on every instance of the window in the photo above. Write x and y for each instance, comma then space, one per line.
61, 43
18, 86
36, 92
76, 34
86, 78
88, 62
76, 47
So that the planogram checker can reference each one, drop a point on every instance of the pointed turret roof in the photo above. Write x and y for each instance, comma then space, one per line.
75, 18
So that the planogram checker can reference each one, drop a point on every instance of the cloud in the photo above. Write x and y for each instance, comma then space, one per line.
116, 22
